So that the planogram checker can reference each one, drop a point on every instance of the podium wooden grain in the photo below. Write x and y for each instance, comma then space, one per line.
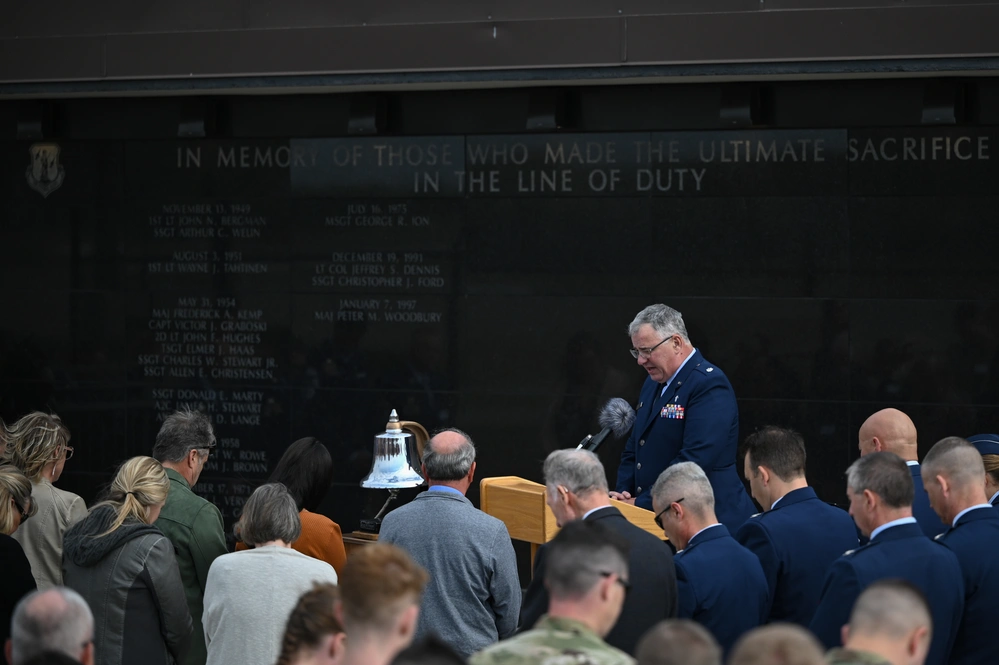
520, 504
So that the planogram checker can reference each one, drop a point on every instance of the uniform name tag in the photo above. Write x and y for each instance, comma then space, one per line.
674, 411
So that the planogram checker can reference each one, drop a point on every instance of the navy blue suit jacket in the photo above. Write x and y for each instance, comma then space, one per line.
707, 434
928, 520
903, 552
796, 543
721, 585
975, 541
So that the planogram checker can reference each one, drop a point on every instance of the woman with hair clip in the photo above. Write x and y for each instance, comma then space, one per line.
38, 444
306, 469
126, 570
16, 507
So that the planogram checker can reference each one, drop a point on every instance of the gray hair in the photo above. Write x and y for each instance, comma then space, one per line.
182, 432
956, 459
686, 481
581, 552
56, 619
579, 471
269, 514
449, 466
678, 642
891, 608
884, 474
665, 320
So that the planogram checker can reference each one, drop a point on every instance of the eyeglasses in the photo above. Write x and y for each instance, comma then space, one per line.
647, 353
24, 514
208, 451
659, 518
625, 584
69, 452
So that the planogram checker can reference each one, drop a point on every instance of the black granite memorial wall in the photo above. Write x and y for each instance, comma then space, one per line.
294, 283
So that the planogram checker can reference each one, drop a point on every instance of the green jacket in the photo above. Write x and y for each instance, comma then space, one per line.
553, 641
194, 526
851, 657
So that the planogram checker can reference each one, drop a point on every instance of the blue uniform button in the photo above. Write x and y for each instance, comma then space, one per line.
641, 442
639, 465
639, 490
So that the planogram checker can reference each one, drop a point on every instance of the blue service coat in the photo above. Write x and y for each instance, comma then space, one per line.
928, 520
898, 552
796, 543
696, 420
721, 585
975, 541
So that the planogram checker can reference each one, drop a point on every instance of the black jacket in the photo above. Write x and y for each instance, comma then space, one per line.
651, 599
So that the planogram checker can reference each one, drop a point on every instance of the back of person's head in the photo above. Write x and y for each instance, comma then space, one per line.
34, 441
579, 555
957, 460
140, 484
313, 627
54, 620
379, 583
893, 429
269, 514
884, 474
183, 431
893, 610
579, 471
779, 449
52, 658
15, 498
448, 455
688, 481
678, 642
431, 650
306, 469
777, 644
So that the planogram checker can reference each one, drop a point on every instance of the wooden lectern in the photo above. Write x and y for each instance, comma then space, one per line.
520, 504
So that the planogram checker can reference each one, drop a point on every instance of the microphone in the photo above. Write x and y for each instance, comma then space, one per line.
617, 416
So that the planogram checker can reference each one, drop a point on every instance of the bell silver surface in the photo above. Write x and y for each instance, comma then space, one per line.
397, 455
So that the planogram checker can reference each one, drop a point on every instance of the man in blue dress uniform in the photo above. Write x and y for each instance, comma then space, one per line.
720, 583
798, 535
686, 413
880, 490
954, 477
892, 431
988, 447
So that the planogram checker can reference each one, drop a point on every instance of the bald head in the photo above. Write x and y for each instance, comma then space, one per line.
889, 430
449, 456
57, 619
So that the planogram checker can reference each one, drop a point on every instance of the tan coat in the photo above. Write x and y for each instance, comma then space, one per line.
41, 536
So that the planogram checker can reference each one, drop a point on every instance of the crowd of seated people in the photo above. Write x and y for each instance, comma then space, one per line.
143, 577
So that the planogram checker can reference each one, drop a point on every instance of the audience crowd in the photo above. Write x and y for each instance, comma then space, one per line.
906, 576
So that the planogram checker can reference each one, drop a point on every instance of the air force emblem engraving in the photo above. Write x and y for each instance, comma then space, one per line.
44, 174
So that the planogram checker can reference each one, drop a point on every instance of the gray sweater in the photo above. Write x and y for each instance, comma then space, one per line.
473, 597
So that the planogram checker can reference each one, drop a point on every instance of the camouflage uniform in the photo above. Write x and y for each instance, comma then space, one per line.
553, 641
851, 657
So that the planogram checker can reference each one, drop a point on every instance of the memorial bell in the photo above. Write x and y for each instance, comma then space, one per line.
396, 462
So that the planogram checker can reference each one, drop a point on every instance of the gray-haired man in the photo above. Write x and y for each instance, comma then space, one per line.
55, 620
473, 598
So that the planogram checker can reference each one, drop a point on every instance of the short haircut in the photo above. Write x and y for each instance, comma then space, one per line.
884, 474
306, 469
182, 432
777, 644
449, 466
431, 650
378, 582
51, 658
269, 514
779, 449
312, 619
56, 619
956, 459
34, 441
678, 642
579, 471
581, 552
687, 481
14, 485
892, 608
666, 321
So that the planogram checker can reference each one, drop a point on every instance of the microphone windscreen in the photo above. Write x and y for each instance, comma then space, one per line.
618, 415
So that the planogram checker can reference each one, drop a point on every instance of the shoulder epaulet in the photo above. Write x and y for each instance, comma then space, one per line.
849, 552
756, 515
939, 536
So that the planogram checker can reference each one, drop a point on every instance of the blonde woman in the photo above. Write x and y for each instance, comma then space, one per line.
38, 444
16, 507
126, 570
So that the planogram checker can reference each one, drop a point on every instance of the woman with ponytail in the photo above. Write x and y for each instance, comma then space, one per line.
126, 570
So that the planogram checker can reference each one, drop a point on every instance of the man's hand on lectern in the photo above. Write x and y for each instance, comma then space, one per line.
623, 496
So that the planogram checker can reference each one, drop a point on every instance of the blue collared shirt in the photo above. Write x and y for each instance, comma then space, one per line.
888, 525
967, 510
670, 379
445, 488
